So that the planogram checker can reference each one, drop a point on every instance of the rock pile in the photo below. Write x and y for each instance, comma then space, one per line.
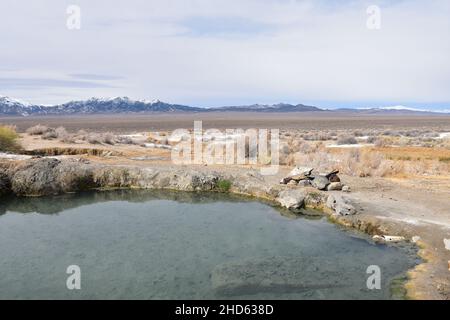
304, 177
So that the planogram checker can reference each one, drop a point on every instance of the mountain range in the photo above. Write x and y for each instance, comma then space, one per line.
14, 107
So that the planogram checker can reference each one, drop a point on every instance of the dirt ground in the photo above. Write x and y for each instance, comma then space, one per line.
299, 120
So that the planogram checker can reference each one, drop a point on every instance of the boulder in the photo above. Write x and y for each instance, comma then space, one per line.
292, 182
297, 174
340, 204
304, 183
346, 189
48, 176
320, 182
334, 178
331, 173
303, 171
291, 199
299, 177
36, 177
334, 186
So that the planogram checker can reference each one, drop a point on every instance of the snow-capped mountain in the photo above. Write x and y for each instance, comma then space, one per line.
14, 107
117, 105
10, 106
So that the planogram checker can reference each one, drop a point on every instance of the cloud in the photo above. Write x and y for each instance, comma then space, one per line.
89, 76
37, 83
223, 27
204, 52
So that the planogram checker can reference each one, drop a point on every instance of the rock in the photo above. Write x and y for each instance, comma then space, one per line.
297, 174
346, 189
304, 183
282, 274
332, 173
388, 238
341, 205
447, 244
303, 171
5, 184
36, 177
299, 177
334, 186
292, 182
334, 178
291, 199
48, 176
74, 176
415, 239
320, 182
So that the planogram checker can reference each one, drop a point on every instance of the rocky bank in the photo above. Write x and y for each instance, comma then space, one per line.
49, 176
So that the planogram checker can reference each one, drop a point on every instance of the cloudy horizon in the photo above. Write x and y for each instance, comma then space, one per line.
215, 53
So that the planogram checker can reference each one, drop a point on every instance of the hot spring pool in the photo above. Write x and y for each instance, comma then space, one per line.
171, 245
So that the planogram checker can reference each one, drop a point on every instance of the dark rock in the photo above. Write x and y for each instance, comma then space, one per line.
332, 173
334, 178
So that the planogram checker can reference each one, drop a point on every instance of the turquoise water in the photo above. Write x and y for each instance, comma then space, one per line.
165, 245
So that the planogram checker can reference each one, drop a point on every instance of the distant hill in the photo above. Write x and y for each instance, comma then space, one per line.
14, 107
280, 107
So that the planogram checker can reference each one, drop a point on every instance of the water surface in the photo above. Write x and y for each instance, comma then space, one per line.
173, 245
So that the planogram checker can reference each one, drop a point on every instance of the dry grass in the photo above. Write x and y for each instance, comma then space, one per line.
413, 153
370, 161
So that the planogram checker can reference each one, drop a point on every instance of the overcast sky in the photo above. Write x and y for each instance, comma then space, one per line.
228, 52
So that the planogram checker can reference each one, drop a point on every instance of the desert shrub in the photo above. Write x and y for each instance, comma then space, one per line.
8, 139
224, 185
100, 138
37, 130
319, 136
64, 136
94, 138
108, 138
50, 134
82, 135
346, 139
125, 140
381, 142
61, 132
431, 134
412, 133
391, 133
